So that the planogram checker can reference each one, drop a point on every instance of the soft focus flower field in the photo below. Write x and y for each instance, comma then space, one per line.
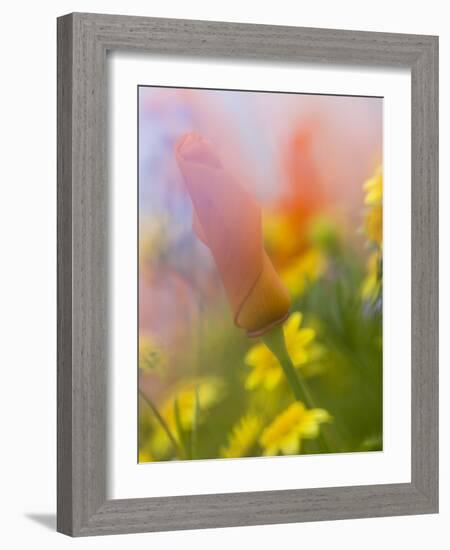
260, 214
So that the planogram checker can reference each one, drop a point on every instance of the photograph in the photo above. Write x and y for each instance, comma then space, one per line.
222, 245
260, 274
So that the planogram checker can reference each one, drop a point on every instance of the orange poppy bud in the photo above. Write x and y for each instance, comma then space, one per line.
228, 221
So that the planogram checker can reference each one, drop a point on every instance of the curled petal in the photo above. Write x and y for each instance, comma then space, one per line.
228, 220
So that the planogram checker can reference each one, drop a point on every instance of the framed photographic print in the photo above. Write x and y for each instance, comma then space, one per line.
247, 274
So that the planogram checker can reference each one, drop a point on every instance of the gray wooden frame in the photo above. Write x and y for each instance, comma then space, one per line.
83, 41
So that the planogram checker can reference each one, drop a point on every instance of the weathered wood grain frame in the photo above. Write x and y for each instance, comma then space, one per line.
83, 240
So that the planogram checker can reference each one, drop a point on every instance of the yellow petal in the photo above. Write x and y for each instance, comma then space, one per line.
309, 430
260, 355
298, 355
320, 415
305, 336
292, 325
298, 344
273, 378
373, 188
291, 445
310, 426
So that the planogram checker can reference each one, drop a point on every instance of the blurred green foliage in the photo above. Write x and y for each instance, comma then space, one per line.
348, 384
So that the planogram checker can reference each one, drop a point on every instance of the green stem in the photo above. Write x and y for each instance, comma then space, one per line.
274, 340
162, 422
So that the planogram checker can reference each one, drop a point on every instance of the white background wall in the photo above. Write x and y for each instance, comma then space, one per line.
28, 271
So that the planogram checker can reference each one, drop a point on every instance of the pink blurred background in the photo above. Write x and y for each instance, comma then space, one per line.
299, 154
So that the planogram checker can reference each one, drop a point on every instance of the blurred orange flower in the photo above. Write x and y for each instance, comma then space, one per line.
305, 190
290, 223
302, 197
228, 220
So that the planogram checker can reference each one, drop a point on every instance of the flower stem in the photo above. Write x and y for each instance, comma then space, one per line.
162, 422
274, 340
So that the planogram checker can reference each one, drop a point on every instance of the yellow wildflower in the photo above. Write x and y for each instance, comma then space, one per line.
285, 433
373, 219
304, 269
151, 355
373, 188
373, 224
243, 437
206, 391
266, 369
372, 282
